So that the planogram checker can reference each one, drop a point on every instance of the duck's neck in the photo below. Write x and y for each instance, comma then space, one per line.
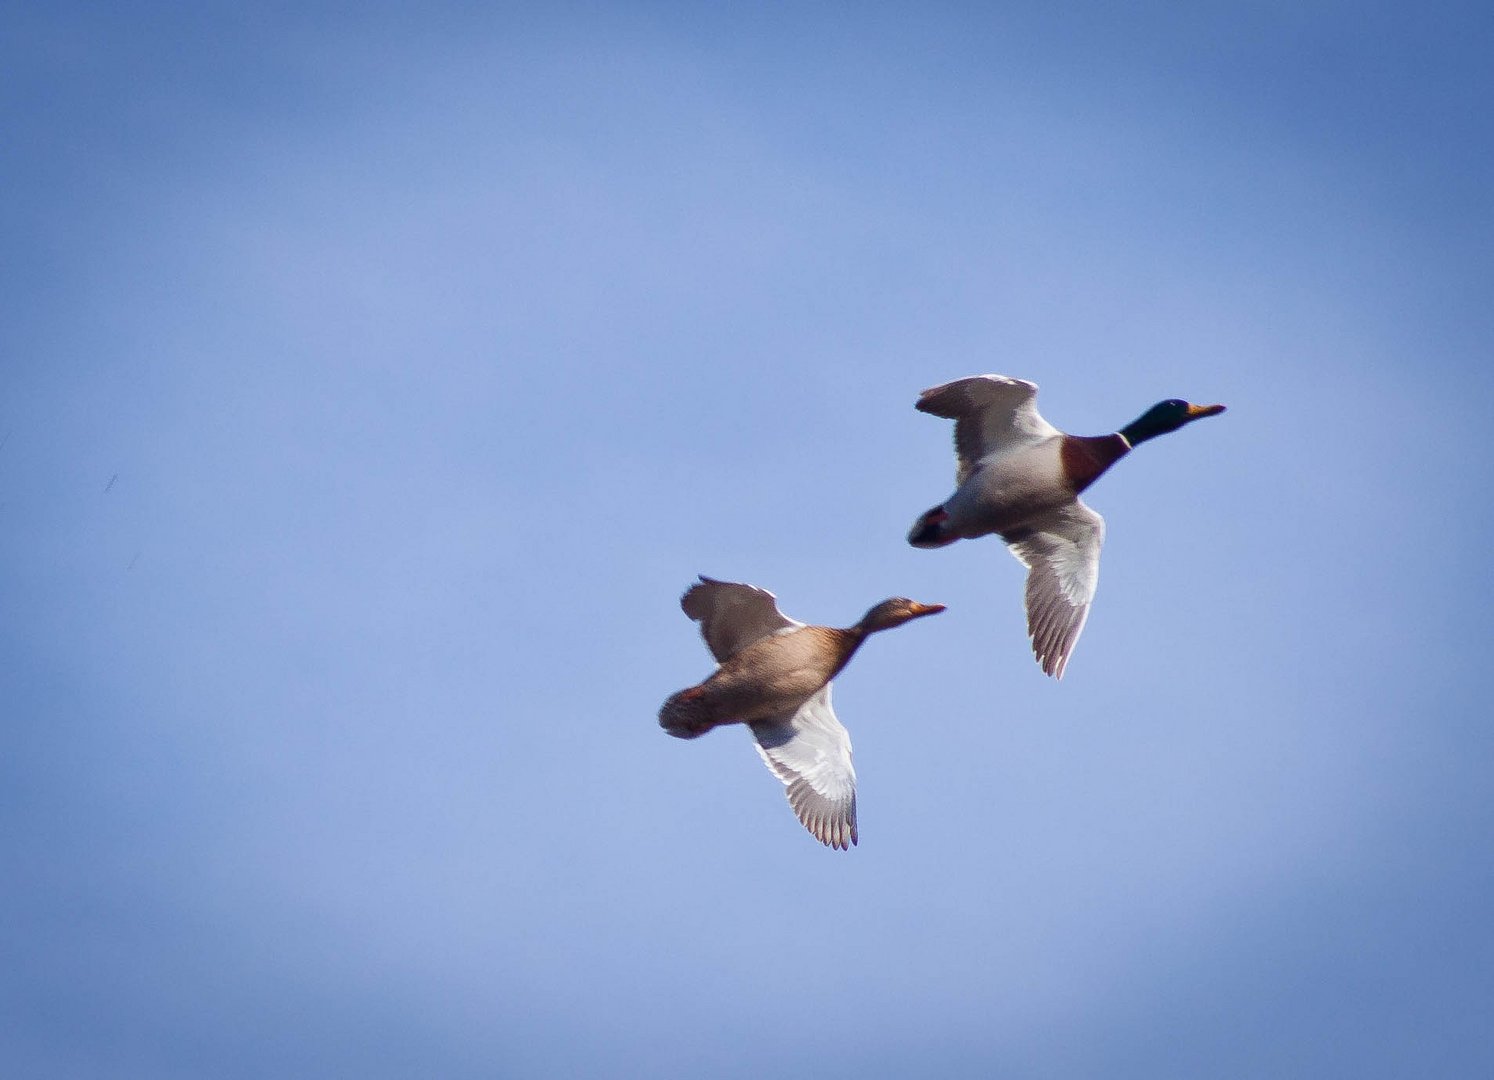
1086, 457
1141, 429
846, 641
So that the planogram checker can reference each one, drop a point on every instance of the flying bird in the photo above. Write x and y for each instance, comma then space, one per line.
1020, 477
774, 676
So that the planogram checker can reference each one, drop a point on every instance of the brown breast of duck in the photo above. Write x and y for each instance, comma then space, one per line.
775, 675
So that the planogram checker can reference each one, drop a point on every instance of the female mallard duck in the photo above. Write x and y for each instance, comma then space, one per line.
1019, 476
774, 676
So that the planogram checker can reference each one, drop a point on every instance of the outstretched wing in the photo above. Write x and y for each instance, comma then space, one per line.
731, 615
990, 412
811, 753
1062, 554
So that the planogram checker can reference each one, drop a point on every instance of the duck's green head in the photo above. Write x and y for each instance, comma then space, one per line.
895, 612
1166, 416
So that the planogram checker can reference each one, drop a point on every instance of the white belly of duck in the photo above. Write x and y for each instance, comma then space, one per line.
1007, 490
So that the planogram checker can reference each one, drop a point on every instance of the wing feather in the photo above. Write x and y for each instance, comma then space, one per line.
991, 413
810, 752
1062, 554
732, 615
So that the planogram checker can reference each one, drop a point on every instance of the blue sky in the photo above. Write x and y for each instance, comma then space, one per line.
374, 382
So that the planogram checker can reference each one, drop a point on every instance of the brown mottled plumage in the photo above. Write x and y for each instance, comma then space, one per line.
770, 677
774, 676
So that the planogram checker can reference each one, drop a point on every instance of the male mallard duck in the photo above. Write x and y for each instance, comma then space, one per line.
1019, 476
774, 676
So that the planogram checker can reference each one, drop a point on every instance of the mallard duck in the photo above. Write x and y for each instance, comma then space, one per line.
1020, 477
774, 676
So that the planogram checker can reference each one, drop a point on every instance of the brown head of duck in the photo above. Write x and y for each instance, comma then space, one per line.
894, 612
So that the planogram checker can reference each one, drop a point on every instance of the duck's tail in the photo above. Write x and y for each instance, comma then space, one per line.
929, 531
686, 715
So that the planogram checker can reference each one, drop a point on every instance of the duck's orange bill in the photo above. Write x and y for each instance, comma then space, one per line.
1195, 411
